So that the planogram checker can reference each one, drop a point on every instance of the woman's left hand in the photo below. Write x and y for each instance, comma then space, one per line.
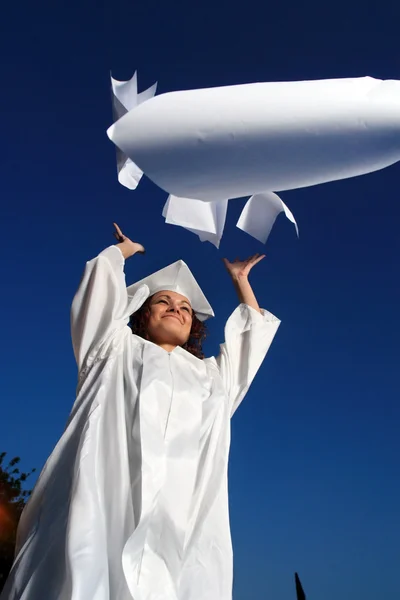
240, 269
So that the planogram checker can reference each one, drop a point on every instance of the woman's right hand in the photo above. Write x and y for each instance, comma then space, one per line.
127, 247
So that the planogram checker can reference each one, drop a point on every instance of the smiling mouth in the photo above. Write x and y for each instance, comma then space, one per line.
173, 317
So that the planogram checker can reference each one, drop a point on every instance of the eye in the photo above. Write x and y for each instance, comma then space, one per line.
162, 300
186, 308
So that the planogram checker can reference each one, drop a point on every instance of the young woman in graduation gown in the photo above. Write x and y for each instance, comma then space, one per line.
133, 501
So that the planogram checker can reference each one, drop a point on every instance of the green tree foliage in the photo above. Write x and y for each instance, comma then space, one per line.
13, 498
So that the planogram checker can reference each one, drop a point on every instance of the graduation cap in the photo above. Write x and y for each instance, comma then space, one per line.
177, 277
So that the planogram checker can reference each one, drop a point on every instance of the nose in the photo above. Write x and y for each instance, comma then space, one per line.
174, 307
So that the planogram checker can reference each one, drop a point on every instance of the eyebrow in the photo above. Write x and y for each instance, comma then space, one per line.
169, 298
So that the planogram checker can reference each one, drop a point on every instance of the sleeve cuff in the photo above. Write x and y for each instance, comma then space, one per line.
255, 316
114, 255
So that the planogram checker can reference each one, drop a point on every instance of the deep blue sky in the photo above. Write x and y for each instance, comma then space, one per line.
314, 474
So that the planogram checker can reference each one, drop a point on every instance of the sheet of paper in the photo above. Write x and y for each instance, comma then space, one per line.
125, 97
205, 219
260, 213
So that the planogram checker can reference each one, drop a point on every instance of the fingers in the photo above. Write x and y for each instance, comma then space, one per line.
119, 236
141, 249
118, 231
250, 261
253, 259
257, 259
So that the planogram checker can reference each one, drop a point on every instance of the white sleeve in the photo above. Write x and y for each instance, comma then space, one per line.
99, 305
248, 336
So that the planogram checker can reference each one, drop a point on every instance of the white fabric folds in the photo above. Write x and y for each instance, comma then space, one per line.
206, 146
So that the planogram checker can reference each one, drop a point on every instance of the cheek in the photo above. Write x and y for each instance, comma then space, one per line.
154, 317
155, 312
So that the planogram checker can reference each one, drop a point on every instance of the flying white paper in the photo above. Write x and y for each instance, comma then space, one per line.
205, 219
210, 145
125, 97
260, 213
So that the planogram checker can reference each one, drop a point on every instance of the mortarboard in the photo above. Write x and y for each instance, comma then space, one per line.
177, 277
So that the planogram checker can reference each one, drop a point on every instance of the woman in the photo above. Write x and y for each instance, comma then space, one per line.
133, 501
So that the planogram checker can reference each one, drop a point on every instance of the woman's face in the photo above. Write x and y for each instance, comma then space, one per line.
170, 319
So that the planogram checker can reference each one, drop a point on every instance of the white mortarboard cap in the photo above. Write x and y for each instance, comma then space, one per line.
177, 278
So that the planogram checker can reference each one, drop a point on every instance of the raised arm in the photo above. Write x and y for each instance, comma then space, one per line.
239, 271
249, 332
99, 305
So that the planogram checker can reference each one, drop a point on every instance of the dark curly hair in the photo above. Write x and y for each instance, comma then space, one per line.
138, 323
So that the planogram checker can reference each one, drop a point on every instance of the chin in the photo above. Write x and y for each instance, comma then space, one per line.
173, 334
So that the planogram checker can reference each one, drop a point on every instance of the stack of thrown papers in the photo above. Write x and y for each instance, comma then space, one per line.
207, 146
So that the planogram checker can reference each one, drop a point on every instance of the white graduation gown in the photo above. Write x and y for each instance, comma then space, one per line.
133, 501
